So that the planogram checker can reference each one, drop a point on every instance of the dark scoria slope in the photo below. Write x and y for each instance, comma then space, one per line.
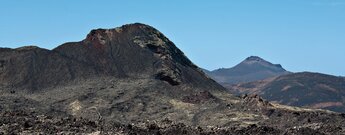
130, 51
251, 69
132, 75
32, 68
305, 89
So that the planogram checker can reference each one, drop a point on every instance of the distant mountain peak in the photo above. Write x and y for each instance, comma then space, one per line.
254, 58
252, 68
258, 60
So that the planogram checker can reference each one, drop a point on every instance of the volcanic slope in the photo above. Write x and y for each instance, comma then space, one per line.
306, 89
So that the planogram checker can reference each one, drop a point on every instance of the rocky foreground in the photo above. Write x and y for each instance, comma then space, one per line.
24, 122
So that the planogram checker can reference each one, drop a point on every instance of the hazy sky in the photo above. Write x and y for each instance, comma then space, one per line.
302, 35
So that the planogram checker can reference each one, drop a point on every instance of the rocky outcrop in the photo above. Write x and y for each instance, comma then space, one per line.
254, 99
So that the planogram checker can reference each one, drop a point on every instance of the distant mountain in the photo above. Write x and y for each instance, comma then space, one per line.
251, 69
312, 90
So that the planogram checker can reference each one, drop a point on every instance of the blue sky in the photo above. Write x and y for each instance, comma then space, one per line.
302, 35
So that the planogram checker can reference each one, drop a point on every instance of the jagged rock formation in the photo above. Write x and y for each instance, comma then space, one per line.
251, 69
130, 75
312, 90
